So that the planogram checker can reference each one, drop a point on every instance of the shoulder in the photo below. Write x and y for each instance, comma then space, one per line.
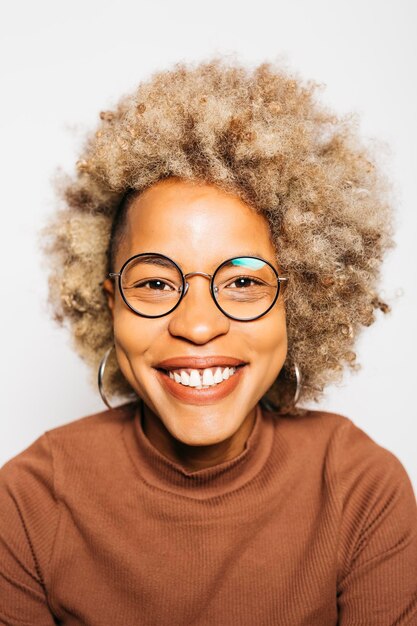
92, 431
337, 436
355, 467
309, 424
33, 496
37, 464
354, 452
368, 486
374, 494
318, 436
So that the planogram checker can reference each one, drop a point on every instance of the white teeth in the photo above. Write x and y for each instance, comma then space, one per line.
202, 379
195, 380
185, 379
208, 377
218, 376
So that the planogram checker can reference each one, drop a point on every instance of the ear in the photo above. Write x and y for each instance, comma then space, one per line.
108, 288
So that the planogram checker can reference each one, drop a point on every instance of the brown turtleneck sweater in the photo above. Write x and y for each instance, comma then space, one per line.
313, 524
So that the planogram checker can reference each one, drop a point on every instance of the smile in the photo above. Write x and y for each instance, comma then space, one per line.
201, 386
201, 378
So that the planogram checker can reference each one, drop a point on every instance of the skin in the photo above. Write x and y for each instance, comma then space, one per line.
215, 226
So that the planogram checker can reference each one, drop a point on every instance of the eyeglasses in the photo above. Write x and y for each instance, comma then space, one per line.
243, 288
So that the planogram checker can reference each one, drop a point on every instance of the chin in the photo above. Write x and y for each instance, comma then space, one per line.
197, 435
203, 426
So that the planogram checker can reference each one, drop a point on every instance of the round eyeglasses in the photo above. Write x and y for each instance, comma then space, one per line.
243, 288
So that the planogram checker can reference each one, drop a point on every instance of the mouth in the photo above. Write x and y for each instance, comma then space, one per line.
201, 378
201, 386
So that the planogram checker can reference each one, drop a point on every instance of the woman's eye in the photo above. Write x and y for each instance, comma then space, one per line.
156, 285
243, 281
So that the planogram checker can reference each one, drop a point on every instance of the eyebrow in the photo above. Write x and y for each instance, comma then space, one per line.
162, 262
156, 260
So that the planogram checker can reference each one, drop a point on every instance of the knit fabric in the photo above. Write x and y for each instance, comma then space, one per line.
313, 524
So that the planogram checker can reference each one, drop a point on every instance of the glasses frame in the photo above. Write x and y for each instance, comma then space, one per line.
185, 285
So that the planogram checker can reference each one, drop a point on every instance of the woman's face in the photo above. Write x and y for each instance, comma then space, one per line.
198, 226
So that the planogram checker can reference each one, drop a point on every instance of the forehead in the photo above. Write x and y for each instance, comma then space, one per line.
188, 221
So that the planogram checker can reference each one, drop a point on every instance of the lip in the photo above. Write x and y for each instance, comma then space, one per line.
198, 363
191, 395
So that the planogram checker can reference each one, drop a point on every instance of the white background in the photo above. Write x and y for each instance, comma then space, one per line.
64, 62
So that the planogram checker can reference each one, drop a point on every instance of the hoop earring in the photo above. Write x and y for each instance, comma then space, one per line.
298, 384
101, 369
270, 406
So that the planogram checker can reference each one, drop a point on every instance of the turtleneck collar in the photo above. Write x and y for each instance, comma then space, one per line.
159, 471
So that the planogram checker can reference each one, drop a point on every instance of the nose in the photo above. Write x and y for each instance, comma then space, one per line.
197, 318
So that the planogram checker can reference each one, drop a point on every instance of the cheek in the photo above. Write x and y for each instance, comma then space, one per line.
270, 345
133, 337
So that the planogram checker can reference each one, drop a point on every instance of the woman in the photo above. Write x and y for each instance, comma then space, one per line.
216, 259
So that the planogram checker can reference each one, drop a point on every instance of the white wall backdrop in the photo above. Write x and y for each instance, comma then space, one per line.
61, 63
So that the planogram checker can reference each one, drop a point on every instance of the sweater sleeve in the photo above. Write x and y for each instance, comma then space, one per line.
28, 523
377, 583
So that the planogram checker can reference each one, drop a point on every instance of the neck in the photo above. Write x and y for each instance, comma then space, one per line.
194, 458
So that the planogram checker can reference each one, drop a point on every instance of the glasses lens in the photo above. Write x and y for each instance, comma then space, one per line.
246, 287
151, 285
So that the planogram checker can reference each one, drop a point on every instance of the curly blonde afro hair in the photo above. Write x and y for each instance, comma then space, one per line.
257, 133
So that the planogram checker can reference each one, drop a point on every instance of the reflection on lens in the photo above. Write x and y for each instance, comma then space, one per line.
255, 264
246, 287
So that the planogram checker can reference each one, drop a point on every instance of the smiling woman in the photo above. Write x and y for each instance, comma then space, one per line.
216, 259
193, 333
